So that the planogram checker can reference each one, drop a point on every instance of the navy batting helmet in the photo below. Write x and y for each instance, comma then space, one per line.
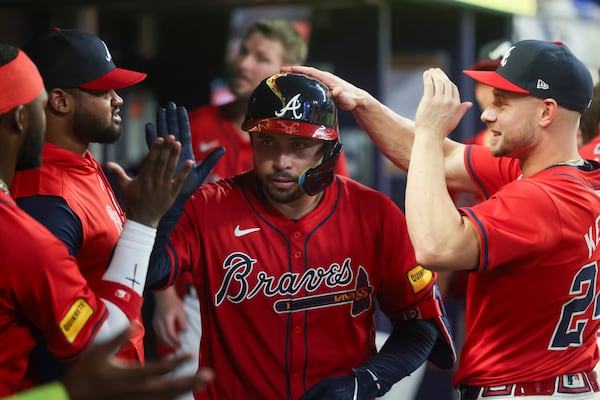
295, 104
292, 104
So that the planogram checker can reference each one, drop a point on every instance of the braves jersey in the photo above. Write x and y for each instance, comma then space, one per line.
286, 303
42, 293
532, 305
591, 150
81, 183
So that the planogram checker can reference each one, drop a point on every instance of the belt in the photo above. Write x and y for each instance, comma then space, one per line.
581, 382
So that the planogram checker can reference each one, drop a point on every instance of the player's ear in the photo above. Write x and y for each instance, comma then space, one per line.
18, 118
60, 100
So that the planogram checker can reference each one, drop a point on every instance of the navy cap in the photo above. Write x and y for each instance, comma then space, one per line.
69, 58
544, 70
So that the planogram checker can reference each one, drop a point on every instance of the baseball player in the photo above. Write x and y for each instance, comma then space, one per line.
288, 259
268, 44
532, 246
42, 291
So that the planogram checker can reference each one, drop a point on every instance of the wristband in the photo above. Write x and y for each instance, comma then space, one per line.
129, 264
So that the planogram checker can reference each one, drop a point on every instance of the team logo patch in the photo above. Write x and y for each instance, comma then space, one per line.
419, 278
75, 319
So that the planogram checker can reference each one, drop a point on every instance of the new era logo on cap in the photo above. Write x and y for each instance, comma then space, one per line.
542, 69
68, 58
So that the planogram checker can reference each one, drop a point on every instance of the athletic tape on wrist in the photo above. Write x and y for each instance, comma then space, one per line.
129, 264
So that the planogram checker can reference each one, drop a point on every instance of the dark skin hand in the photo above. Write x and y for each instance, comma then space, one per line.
99, 375
154, 189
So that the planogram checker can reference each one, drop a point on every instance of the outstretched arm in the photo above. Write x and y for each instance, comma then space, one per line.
392, 133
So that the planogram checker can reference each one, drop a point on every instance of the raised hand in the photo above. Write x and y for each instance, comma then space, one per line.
154, 189
440, 109
359, 385
174, 120
346, 95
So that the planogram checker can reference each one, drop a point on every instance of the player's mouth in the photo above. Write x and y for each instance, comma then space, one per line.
282, 182
116, 117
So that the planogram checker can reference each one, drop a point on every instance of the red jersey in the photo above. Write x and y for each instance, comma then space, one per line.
531, 304
591, 150
81, 183
210, 130
42, 293
286, 303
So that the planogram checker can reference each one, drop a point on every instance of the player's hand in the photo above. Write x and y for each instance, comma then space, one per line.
359, 385
346, 95
99, 375
174, 120
169, 317
440, 109
154, 189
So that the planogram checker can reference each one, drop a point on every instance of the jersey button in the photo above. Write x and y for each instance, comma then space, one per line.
297, 329
297, 234
296, 376
298, 254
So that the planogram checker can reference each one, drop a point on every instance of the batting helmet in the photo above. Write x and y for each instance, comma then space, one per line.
294, 104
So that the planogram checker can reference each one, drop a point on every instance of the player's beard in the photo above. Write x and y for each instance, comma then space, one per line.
282, 196
514, 143
95, 130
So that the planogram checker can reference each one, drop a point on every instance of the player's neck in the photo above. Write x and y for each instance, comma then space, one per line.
299, 208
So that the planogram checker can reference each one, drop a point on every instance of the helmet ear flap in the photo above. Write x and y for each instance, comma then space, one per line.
315, 180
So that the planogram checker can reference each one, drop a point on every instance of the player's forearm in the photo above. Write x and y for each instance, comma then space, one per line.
392, 134
405, 350
434, 223
124, 281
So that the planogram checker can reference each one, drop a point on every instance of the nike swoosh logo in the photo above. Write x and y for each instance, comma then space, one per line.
237, 232
206, 146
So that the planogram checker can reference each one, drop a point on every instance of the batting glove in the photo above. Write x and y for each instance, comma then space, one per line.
174, 121
361, 384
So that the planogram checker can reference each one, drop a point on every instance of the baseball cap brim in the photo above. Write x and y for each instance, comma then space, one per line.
495, 80
116, 79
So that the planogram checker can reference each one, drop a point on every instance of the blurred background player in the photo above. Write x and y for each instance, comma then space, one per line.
267, 45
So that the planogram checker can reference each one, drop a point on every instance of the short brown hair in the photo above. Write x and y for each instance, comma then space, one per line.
591, 117
283, 31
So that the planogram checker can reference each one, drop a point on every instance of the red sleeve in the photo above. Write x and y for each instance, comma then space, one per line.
45, 282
